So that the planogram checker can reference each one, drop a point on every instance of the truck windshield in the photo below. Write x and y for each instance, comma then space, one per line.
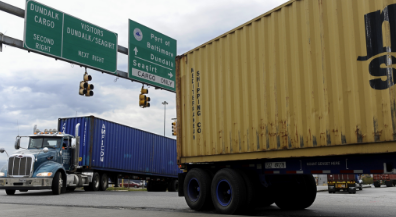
38, 143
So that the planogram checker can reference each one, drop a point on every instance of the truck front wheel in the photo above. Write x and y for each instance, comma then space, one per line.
197, 189
57, 184
10, 192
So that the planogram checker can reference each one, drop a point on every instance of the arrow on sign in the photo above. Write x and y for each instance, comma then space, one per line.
170, 74
136, 50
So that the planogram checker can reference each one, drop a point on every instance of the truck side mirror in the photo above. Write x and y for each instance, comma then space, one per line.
2, 150
45, 150
73, 142
17, 144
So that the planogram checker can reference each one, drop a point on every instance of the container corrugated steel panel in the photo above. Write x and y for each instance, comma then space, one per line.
309, 78
106, 145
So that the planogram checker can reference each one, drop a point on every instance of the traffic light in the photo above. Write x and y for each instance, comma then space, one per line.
85, 88
143, 99
174, 129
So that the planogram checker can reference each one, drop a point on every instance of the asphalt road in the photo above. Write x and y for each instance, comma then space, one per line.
369, 202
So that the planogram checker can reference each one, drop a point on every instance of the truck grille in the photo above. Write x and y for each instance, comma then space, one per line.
19, 166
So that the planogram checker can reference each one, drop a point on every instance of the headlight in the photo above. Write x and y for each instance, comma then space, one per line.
44, 174
2, 174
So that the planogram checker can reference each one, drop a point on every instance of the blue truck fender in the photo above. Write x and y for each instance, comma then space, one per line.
51, 167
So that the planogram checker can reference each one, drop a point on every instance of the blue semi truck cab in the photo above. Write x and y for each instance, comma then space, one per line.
104, 153
49, 162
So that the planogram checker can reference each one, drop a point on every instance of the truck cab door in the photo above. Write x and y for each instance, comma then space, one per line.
66, 153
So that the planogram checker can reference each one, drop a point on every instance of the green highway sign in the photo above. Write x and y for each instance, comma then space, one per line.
63, 36
152, 57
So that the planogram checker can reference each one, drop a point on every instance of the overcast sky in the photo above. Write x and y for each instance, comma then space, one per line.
35, 89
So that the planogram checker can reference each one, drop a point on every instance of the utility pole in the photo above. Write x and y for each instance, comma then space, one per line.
164, 103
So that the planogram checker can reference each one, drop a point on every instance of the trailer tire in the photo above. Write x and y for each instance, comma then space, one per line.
300, 193
104, 182
173, 185
251, 192
197, 189
57, 184
388, 184
10, 192
228, 191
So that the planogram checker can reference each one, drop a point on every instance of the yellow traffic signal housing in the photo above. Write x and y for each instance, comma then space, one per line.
89, 90
85, 88
143, 99
174, 129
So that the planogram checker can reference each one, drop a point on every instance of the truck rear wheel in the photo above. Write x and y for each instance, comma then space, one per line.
57, 184
104, 182
298, 193
197, 189
388, 184
94, 185
228, 191
10, 192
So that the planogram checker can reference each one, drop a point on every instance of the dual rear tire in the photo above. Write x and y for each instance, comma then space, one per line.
99, 182
233, 191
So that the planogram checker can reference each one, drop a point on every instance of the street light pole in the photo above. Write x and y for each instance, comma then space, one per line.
164, 103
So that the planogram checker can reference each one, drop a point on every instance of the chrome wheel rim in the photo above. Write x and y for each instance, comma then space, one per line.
60, 183
96, 182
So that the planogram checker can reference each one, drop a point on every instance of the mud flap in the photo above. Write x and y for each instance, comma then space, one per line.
181, 177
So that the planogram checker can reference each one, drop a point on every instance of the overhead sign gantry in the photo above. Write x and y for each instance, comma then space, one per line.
53, 33
63, 36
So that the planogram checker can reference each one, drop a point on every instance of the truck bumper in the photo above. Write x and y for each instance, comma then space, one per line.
25, 183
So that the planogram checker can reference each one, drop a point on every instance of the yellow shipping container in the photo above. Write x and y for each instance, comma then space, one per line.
309, 78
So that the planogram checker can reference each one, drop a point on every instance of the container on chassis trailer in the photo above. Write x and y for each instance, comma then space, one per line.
102, 150
384, 179
344, 182
306, 88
